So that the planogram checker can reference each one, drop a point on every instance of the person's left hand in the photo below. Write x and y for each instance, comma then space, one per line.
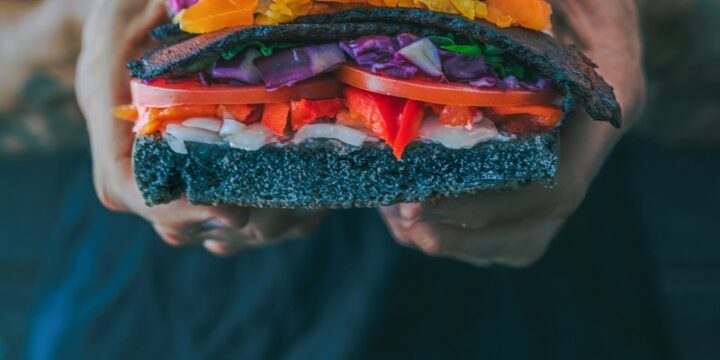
515, 228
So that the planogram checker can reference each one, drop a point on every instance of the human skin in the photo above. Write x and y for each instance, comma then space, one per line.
515, 228
115, 33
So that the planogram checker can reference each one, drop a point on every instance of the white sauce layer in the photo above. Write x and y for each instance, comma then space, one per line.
253, 137
457, 137
342, 133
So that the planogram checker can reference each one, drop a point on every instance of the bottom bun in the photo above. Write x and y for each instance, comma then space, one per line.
329, 174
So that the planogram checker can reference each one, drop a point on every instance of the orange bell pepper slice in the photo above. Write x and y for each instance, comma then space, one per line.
126, 112
531, 14
212, 15
239, 112
184, 112
275, 117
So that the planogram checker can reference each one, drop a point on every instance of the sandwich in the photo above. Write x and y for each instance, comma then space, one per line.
354, 103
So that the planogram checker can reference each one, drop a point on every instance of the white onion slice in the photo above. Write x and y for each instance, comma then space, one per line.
425, 55
342, 133
176, 144
203, 136
457, 137
210, 124
251, 138
230, 127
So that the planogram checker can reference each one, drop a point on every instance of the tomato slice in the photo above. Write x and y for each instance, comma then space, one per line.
162, 93
428, 90
525, 119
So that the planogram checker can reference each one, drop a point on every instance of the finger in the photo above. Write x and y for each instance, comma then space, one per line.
275, 224
222, 248
517, 244
111, 37
262, 230
479, 210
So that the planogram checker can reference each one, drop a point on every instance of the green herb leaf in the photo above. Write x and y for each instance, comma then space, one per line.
265, 49
517, 70
470, 50
491, 50
442, 40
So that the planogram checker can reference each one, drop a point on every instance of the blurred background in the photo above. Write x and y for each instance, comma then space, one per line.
657, 200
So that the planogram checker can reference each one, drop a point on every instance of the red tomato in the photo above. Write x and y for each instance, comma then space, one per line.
161, 93
431, 91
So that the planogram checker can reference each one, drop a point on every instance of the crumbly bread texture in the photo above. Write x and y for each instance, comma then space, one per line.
328, 174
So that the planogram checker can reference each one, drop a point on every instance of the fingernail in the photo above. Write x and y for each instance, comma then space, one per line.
214, 246
212, 224
409, 211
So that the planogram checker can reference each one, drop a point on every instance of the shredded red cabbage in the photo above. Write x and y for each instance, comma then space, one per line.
290, 66
459, 67
485, 82
176, 6
370, 50
241, 68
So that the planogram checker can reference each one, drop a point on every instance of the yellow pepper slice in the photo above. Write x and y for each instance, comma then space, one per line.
212, 15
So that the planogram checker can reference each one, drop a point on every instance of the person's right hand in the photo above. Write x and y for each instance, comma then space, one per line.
115, 33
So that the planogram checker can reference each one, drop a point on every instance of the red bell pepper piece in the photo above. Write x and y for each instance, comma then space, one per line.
275, 117
328, 107
410, 119
301, 113
380, 113
305, 112
526, 119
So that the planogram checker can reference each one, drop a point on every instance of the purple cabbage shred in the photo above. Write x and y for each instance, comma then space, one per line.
178, 5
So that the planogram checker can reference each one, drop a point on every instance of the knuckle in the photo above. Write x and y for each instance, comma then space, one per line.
170, 237
430, 245
109, 201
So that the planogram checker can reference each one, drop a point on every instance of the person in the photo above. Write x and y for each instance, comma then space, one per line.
344, 290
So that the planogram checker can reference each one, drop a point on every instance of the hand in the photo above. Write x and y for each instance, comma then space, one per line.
515, 228
114, 34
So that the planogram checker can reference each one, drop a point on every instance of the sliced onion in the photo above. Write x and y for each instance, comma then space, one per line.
209, 124
251, 138
425, 55
176, 144
457, 137
342, 133
202, 136
231, 127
